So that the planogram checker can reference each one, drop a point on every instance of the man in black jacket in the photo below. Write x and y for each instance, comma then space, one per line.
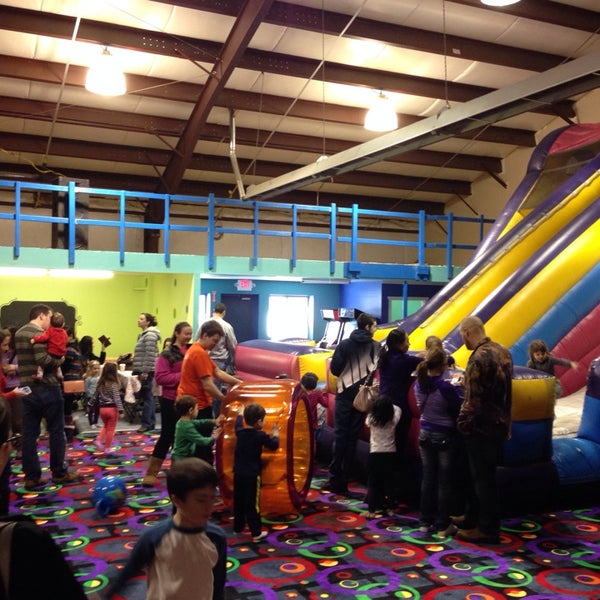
353, 360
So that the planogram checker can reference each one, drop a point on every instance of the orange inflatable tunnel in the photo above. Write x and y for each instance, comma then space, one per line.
287, 472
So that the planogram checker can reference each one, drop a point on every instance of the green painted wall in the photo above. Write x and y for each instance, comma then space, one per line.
112, 306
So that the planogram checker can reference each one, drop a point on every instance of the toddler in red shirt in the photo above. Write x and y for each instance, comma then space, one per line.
56, 339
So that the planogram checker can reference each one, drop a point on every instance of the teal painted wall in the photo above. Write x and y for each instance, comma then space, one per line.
325, 296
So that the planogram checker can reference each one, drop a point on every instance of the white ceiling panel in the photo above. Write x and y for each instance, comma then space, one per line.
271, 95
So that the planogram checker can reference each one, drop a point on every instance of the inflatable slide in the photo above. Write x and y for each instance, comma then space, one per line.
536, 272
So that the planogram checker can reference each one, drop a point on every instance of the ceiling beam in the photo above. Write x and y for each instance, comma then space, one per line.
34, 144
169, 127
565, 80
153, 87
546, 11
241, 34
49, 24
313, 19
140, 183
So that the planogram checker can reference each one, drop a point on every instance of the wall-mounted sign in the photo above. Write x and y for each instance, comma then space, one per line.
244, 285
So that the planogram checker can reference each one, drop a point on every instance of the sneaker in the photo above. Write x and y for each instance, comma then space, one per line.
68, 478
261, 536
34, 484
93, 426
424, 527
143, 429
99, 445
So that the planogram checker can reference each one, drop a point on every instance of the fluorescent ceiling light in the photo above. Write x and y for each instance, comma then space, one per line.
64, 273
80, 274
382, 115
105, 76
23, 272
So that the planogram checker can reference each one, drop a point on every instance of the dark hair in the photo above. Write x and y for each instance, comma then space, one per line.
177, 330
184, 403
85, 346
188, 474
220, 308
211, 328
435, 358
364, 320
152, 322
4, 333
37, 310
109, 376
253, 413
382, 410
537, 346
395, 338
5, 420
309, 381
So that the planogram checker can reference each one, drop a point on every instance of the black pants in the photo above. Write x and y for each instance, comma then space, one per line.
246, 491
348, 423
168, 419
5, 489
484, 454
380, 486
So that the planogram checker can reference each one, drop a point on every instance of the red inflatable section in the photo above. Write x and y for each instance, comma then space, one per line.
254, 364
581, 345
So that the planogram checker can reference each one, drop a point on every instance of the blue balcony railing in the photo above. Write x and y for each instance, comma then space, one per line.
257, 229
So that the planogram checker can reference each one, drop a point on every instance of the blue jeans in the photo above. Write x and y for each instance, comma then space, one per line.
437, 456
45, 401
147, 397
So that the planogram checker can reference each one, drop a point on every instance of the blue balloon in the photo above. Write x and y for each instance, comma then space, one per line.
109, 494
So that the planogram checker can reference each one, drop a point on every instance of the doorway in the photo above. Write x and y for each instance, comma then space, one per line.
242, 313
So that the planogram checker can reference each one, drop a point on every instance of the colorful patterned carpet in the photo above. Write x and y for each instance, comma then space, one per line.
329, 551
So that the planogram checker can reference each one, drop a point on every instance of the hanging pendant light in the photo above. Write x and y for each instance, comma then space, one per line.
499, 2
105, 76
382, 115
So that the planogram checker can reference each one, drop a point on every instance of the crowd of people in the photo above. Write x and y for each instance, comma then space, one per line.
464, 421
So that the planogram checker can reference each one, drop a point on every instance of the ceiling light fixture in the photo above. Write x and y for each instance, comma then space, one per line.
382, 115
81, 274
499, 2
61, 273
105, 77
324, 150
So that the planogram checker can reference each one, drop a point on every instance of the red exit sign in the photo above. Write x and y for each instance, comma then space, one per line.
244, 285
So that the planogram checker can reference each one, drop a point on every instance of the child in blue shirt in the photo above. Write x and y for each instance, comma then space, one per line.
247, 466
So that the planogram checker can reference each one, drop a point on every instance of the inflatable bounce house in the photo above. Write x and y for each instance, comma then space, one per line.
534, 276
